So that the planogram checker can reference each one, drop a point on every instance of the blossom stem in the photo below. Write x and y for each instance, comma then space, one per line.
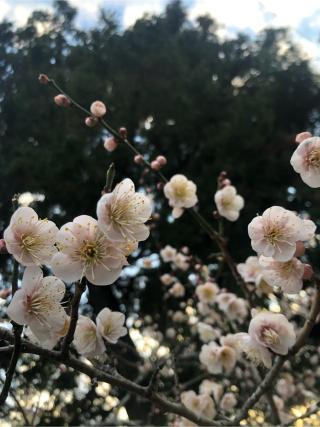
213, 234
80, 288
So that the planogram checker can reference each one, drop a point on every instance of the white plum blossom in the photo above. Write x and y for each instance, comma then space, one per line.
86, 252
250, 270
227, 356
229, 203
209, 357
181, 193
286, 275
306, 161
122, 214
257, 353
201, 405
167, 279
37, 304
273, 331
211, 387
87, 340
110, 325
207, 332
29, 239
177, 290
207, 292
236, 308
181, 261
275, 233
168, 253
228, 402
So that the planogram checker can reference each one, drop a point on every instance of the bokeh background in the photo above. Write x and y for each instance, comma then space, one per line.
211, 85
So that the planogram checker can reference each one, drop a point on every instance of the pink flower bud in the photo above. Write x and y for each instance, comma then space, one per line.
160, 186
300, 249
302, 136
91, 121
5, 293
155, 165
3, 247
43, 79
225, 182
98, 109
62, 100
110, 144
308, 271
138, 159
123, 132
162, 160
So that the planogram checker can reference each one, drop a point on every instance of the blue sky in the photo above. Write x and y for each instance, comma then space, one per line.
251, 16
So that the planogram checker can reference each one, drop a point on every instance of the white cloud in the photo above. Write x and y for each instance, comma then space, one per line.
135, 11
4, 8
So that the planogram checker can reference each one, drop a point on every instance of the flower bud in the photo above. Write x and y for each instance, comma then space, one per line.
110, 144
300, 249
3, 247
302, 136
160, 186
123, 132
308, 271
155, 165
91, 121
43, 79
62, 100
98, 109
138, 159
225, 182
162, 160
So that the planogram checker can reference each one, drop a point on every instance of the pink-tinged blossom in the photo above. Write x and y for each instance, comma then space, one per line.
257, 353
181, 192
110, 144
87, 340
110, 325
227, 356
211, 387
181, 261
122, 214
168, 253
229, 203
300, 137
207, 292
98, 109
272, 331
306, 161
177, 290
228, 402
29, 239
207, 332
86, 252
275, 233
209, 357
286, 275
37, 304
201, 405
250, 270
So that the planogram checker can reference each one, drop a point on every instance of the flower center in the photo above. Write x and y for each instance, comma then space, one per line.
269, 336
180, 191
38, 305
273, 235
313, 158
28, 242
91, 252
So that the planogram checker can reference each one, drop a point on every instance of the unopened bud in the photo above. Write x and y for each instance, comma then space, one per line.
302, 136
216, 215
98, 109
43, 79
3, 247
110, 144
308, 271
138, 159
162, 160
155, 165
160, 186
123, 132
225, 182
62, 100
300, 249
91, 121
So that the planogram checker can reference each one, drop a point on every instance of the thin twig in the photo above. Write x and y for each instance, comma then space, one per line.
80, 288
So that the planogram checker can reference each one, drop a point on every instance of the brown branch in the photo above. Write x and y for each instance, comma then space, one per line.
113, 379
280, 360
80, 288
